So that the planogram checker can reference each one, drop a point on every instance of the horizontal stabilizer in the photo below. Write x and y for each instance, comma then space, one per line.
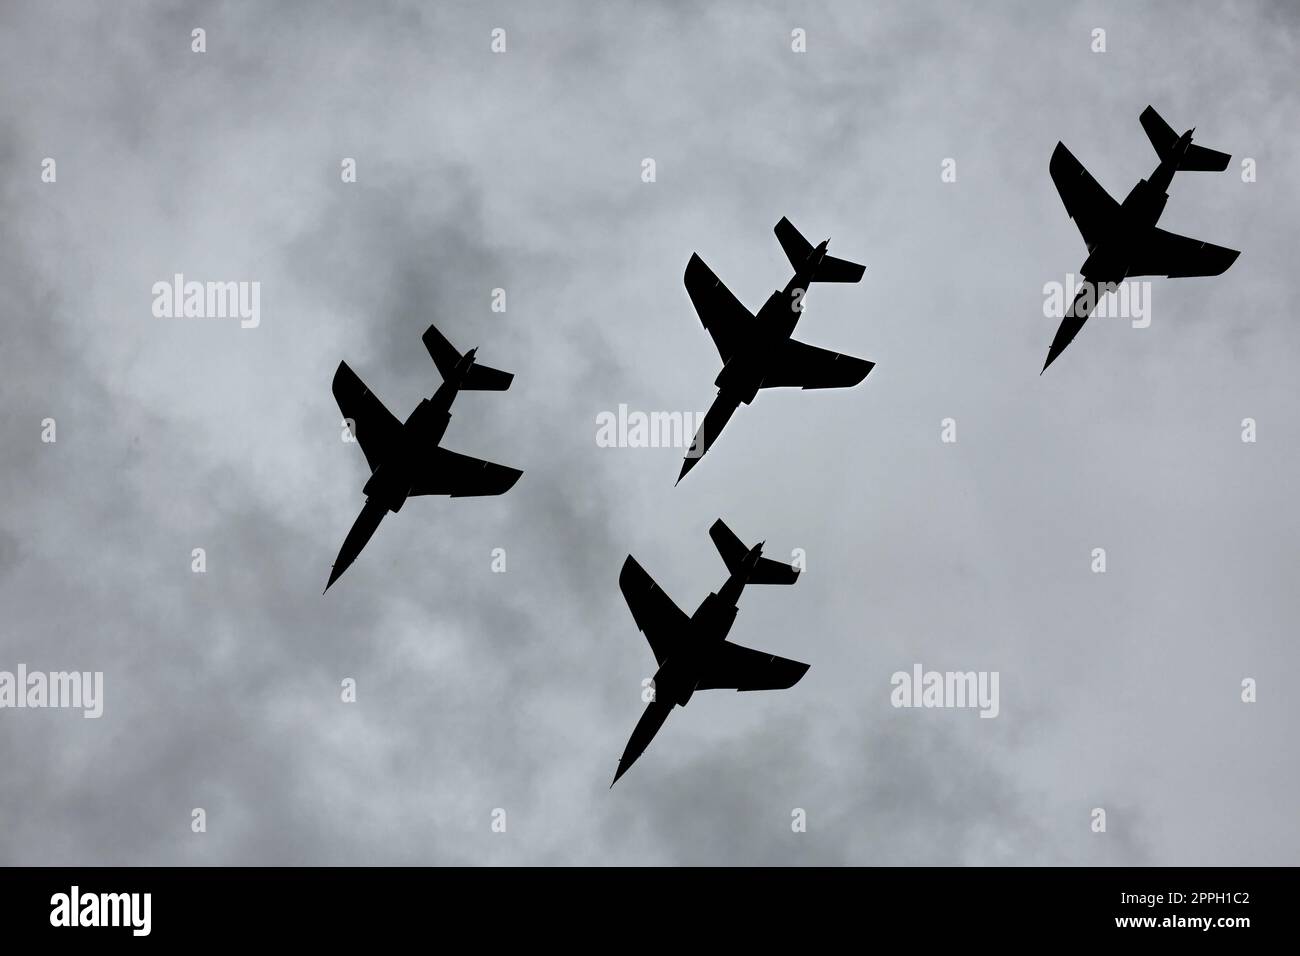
1163, 138
1204, 160
838, 270
485, 379
768, 571
734, 552
731, 548
453, 365
1158, 131
798, 249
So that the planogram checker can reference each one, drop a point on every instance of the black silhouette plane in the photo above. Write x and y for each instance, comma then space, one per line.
693, 652
1122, 238
757, 351
404, 458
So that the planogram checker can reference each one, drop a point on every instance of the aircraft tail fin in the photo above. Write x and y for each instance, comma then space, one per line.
798, 249
734, 552
453, 366
1163, 138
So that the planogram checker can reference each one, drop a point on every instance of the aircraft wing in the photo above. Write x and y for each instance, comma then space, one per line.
376, 429
798, 365
1090, 206
451, 473
656, 616
719, 311
744, 668
1167, 254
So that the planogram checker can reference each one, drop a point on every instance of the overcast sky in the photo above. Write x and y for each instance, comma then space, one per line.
478, 690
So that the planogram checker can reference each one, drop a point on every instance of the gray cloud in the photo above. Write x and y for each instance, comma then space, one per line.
518, 690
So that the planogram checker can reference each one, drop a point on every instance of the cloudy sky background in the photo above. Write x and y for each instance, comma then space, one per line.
479, 690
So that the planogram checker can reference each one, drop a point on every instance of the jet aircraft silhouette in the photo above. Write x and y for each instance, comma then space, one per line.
404, 458
1122, 238
757, 351
693, 652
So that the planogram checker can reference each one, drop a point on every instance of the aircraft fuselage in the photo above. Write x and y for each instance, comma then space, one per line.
422, 432
743, 374
1108, 260
679, 674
